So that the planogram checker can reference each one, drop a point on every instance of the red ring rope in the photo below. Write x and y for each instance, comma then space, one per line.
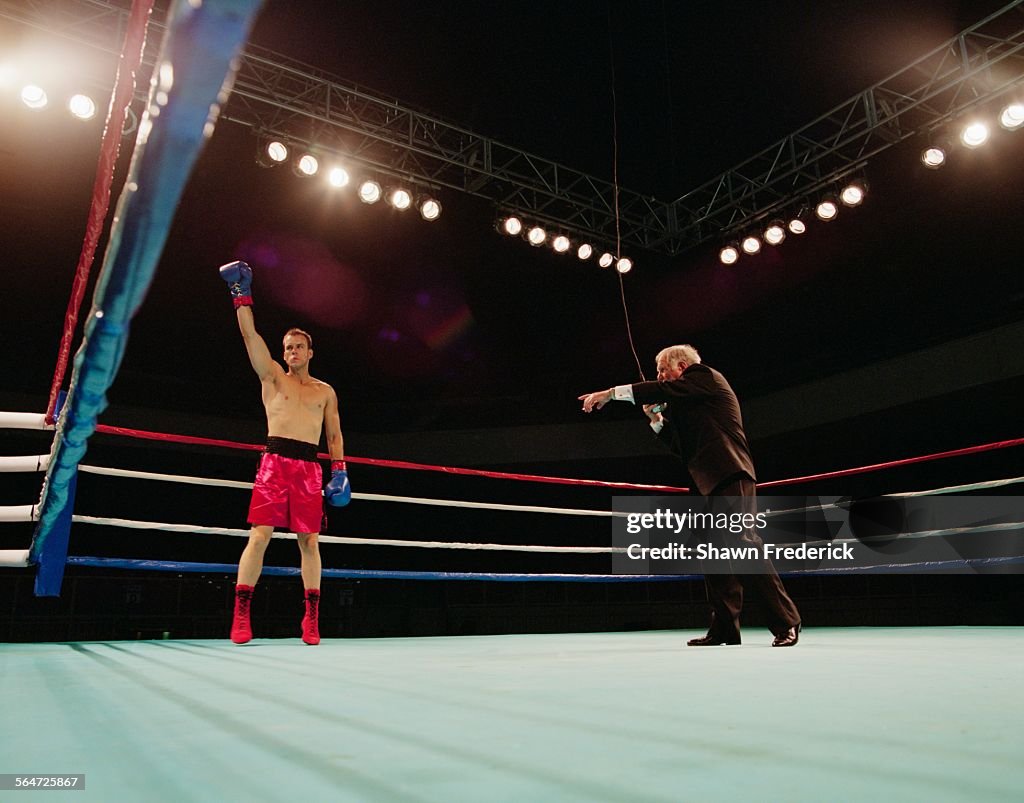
474, 472
124, 91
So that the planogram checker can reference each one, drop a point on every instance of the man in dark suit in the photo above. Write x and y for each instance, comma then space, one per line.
694, 412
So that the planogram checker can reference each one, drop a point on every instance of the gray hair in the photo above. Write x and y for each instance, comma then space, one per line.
681, 353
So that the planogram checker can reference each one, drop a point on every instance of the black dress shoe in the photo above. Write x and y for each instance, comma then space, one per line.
789, 638
711, 640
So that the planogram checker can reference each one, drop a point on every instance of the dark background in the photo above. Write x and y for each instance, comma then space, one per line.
450, 328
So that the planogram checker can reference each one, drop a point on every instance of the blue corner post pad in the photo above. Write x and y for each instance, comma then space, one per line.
192, 78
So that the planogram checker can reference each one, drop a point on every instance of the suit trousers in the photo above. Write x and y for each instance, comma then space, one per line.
725, 591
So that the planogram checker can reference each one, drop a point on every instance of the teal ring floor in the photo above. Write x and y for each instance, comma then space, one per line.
850, 714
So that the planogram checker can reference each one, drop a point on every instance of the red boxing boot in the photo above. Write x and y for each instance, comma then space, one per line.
311, 621
241, 630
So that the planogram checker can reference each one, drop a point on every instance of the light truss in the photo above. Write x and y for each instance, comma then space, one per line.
979, 64
277, 96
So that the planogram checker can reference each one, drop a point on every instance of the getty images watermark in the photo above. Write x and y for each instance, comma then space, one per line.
811, 534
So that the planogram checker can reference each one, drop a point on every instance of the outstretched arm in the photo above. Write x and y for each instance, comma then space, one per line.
597, 399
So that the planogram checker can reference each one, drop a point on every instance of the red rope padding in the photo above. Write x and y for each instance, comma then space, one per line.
124, 90
907, 461
371, 461
474, 472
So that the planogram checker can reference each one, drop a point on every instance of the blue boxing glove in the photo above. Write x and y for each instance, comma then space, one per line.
338, 490
238, 275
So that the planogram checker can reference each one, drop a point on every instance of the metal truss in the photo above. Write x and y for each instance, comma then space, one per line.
285, 98
979, 64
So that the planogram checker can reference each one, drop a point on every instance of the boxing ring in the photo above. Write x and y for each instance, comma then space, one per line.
854, 713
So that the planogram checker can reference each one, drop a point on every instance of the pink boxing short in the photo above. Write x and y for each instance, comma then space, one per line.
288, 489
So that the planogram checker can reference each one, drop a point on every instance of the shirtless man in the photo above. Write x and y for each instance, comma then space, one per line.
287, 490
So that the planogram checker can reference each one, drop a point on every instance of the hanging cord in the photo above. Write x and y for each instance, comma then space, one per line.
615, 195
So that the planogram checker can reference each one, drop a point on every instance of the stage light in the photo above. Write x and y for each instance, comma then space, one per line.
82, 107
430, 209
369, 192
624, 265
934, 156
974, 135
775, 233
338, 177
536, 236
1012, 116
33, 96
796, 225
751, 245
307, 165
561, 244
827, 209
271, 153
400, 199
853, 193
606, 260
585, 251
729, 254
510, 225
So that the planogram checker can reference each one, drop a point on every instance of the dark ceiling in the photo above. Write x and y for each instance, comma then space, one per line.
448, 324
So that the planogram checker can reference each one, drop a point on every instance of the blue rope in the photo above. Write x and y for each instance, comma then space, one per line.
200, 45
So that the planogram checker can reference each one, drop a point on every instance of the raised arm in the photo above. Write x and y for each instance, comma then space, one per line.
259, 355
238, 275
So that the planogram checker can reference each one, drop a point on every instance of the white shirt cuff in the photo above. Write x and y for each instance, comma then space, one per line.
623, 393
657, 426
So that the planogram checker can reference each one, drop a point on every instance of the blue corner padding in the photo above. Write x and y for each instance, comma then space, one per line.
199, 47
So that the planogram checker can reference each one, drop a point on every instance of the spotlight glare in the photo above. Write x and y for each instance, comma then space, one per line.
933, 157
585, 251
775, 233
338, 177
536, 235
606, 260
852, 194
400, 199
1012, 117
430, 209
369, 192
277, 151
796, 226
307, 165
561, 244
729, 255
512, 226
82, 107
33, 96
624, 265
974, 135
827, 210
751, 245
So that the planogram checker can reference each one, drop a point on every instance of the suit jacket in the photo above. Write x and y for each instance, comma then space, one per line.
703, 425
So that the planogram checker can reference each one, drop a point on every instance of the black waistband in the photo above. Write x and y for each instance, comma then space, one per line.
297, 450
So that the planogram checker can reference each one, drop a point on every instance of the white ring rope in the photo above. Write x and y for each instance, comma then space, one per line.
337, 539
146, 475
22, 513
24, 421
369, 497
143, 475
24, 463
13, 558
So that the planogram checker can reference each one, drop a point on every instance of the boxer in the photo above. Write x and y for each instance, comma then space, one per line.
287, 492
